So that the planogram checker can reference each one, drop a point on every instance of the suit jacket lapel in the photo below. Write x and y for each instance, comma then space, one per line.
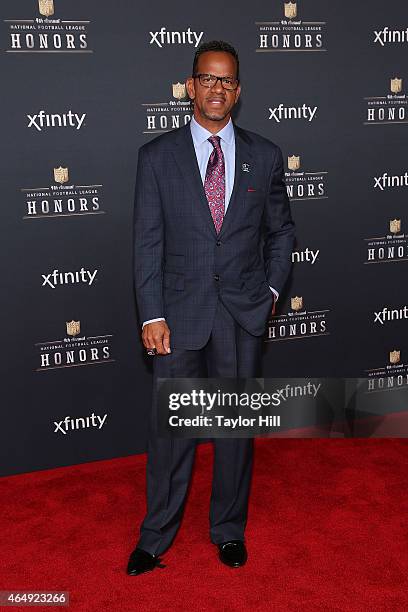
243, 156
187, 161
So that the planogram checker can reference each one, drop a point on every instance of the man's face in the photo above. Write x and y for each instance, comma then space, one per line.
213, 103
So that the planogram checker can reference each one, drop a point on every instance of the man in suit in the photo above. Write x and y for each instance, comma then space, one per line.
213, 242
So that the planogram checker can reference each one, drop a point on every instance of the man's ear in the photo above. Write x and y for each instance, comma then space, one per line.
190, 88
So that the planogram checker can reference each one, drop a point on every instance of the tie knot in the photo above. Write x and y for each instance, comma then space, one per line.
215, 141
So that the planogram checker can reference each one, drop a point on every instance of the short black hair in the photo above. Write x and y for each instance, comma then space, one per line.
215, 45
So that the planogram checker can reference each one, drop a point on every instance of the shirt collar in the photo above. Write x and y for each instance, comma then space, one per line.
200, 134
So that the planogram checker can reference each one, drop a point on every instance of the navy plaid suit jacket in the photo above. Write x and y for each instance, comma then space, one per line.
181, 265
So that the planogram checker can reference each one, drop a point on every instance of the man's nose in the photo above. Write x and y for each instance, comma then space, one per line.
218, 86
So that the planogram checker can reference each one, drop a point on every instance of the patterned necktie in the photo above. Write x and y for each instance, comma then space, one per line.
214, 183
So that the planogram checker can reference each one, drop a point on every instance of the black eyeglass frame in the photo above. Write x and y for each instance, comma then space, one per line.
197, 76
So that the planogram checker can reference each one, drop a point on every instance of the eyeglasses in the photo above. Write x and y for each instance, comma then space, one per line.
209, 80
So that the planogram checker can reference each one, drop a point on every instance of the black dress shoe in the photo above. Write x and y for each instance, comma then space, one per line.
233, 553
141, 561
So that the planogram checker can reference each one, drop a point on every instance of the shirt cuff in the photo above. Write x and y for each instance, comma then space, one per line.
153, 321
276, 294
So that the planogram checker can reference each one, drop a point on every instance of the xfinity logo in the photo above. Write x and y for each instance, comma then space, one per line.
384, 181
68, 278
292, 112
43, 120
306, 255
163, 37
385, 315
390, 36
69, 424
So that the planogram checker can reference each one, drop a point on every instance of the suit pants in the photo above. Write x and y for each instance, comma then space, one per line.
230, 352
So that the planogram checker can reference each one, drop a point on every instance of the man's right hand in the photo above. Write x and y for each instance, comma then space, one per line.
157, 336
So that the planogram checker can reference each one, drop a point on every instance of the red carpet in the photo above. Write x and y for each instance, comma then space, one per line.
327, 531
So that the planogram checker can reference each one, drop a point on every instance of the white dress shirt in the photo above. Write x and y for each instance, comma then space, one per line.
203, 149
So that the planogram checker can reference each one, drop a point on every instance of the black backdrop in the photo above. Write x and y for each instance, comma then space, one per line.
326, 82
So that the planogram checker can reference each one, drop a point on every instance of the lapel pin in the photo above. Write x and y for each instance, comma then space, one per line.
245, 167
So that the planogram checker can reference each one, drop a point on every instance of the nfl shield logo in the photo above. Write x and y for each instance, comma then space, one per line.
395, 356
290, 10
61, 175
73, 327
296, 303
46, 7
294, 162
395, 226
179, 91
396, 85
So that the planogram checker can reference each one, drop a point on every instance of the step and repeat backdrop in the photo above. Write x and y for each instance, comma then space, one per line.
84, 85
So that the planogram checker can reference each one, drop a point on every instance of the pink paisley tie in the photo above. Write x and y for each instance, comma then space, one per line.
214, 183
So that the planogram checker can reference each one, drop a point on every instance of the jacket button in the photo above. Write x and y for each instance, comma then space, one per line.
218, 243
216, 277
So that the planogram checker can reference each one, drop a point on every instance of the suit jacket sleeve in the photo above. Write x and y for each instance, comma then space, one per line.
279, 229
148, 241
